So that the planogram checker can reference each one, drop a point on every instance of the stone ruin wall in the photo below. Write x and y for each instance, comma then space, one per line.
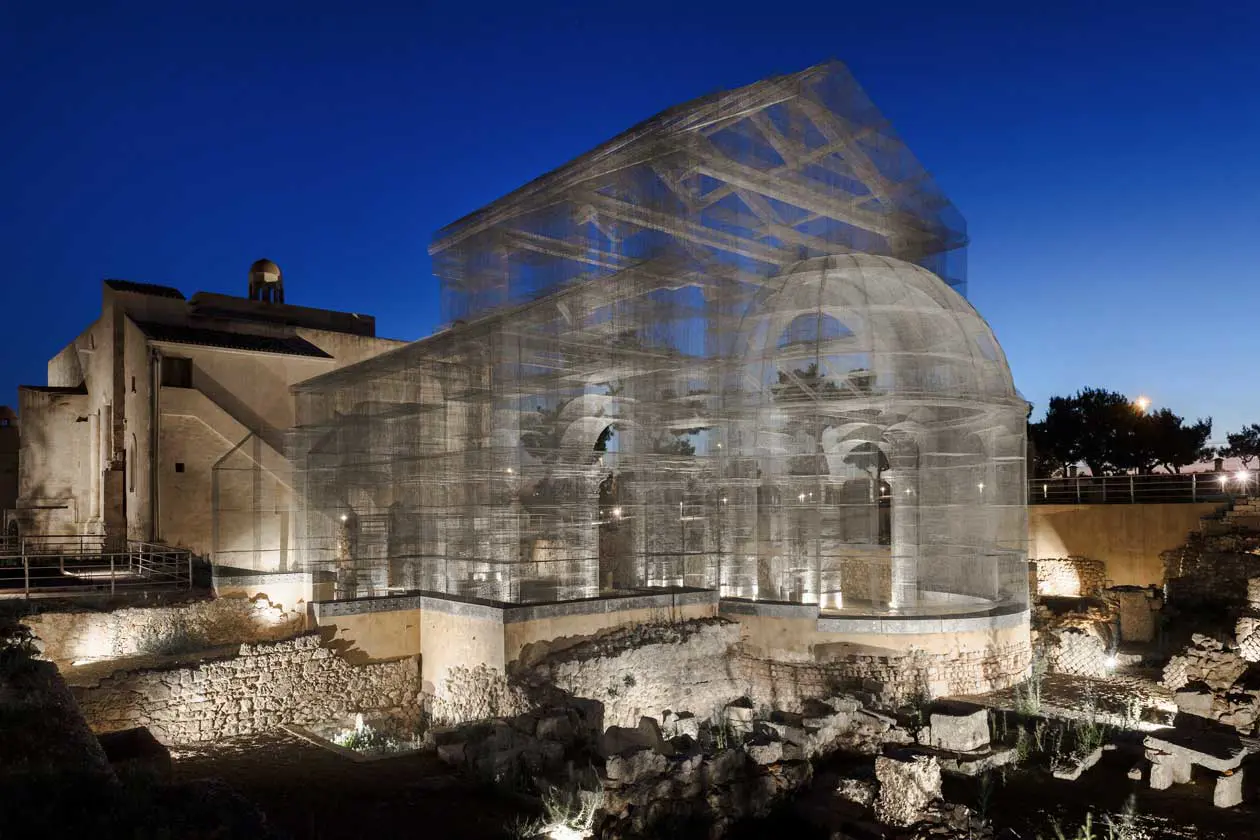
700, 666
66, 637
1068, 576
897, 678
1212, 569
646, 670
288, 682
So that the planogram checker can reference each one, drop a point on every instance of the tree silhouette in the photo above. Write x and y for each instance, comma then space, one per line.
1243, 445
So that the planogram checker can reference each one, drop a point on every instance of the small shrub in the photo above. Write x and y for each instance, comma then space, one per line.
567, 812
17, 650
1023, 746
1028, 694
366, 739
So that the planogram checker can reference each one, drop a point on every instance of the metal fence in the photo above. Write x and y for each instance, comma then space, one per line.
1136, 489
80, 565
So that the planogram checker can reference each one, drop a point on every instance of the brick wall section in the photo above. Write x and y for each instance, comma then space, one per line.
1076, 651
784, 685
289, 682
1069, 576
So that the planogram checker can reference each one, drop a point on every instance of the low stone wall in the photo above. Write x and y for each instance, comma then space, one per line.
288, 682
66, 637
791, 654
1069, 576
896, 677
646, 670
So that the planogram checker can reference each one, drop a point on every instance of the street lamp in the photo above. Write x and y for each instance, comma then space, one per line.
1142, 403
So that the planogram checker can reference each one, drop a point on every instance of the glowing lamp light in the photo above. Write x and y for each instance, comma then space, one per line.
981, 486
1110, 662
616, 512
509, 470
1142, 403
801, 497
344, 517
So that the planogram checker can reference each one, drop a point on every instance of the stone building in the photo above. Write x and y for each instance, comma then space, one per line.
164, 420
10, 440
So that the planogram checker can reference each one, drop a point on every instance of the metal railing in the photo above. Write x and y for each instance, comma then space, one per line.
1158, 488
82, 565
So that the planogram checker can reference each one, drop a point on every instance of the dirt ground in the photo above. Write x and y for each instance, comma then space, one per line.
309, 793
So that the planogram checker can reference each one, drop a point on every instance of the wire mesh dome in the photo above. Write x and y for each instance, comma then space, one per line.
888, 436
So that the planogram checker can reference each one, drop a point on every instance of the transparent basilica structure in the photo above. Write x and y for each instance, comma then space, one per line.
727, 349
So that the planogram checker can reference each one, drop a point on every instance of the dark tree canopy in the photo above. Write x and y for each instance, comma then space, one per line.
1106, 431
1243, 445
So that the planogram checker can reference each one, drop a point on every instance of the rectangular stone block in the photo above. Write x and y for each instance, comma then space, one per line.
1229, 790
960, 732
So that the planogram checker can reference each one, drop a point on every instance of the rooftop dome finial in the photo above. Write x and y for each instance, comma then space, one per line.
266, 283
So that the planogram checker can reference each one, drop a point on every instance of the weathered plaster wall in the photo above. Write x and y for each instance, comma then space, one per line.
54, 461
67, 637
372, 636
294, 590
267, 685
1127, 538
449, 640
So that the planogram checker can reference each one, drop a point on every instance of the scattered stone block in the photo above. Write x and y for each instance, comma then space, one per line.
978, 765
1194, 701
858, 791
767, 753
964, 732
739, 715
1135, 772
631, 767
1072, 768
906, 788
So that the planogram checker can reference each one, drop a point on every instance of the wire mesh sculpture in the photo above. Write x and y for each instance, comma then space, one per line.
726, 349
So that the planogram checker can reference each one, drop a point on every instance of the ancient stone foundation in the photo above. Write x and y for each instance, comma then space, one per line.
266, 685
66, 637
895, 677
647, 670
1069, 576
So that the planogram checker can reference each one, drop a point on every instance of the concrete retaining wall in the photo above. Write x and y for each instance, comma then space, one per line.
1127, 538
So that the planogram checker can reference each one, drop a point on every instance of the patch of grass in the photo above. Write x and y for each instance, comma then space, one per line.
1122, 826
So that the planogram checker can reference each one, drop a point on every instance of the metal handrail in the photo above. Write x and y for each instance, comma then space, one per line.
70, 565
1168, 488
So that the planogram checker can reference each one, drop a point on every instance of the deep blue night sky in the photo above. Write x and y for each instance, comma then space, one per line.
1107, 162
